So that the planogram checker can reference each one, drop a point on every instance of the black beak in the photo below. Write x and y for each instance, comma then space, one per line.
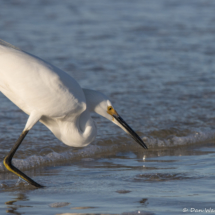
130, 131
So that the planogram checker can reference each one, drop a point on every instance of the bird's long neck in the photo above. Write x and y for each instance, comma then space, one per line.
81, 130
96, 102
78, 132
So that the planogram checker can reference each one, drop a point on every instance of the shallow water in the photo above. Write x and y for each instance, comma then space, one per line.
155, 60
168, 181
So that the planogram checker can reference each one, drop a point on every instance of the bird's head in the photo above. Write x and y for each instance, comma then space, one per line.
99, 103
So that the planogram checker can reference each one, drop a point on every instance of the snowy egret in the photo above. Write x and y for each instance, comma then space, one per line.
51, 96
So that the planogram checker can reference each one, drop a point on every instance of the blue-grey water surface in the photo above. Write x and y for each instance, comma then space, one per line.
155, 61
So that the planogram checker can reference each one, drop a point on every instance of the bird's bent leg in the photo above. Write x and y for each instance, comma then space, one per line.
33, 118
8, 161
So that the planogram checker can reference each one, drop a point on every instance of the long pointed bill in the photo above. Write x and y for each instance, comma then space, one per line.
121, 123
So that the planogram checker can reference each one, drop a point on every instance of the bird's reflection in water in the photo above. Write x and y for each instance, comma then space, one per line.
12, 208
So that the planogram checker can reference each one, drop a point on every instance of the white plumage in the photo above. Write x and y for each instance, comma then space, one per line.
51, 96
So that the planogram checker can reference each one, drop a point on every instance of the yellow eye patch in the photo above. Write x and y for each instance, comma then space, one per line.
111, 111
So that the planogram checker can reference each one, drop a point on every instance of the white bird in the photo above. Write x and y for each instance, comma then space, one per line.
51, 96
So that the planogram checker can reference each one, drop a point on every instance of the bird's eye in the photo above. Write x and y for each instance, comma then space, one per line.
110, 108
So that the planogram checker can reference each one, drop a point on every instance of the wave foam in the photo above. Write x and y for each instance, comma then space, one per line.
174, 141
108, 147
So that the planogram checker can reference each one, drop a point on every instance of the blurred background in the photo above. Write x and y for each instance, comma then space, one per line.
154, 59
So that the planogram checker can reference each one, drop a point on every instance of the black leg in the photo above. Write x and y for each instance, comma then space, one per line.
10, 167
